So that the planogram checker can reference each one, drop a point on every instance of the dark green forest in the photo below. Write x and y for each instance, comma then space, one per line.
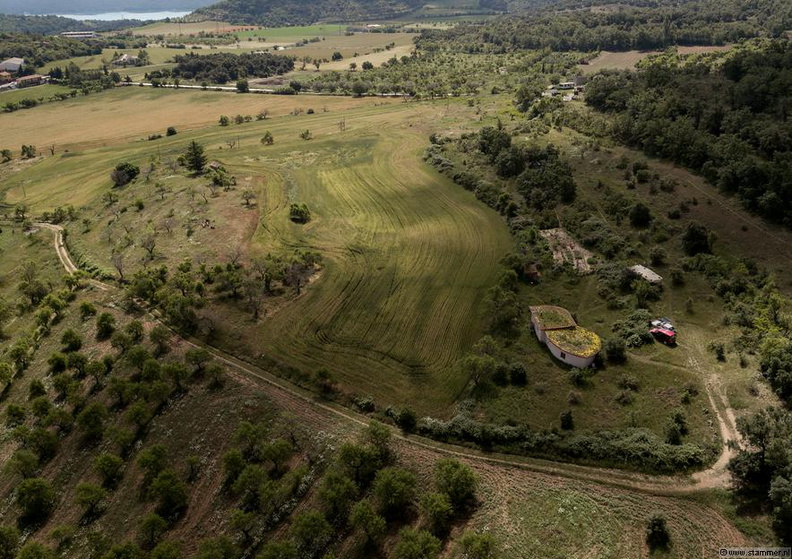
729, 122
304, 12
225, 67
37, 50
46, 25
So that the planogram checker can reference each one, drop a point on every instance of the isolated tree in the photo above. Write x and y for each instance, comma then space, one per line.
337, 492
657, 536
36, 500
243, 86
696, 239
267, 139
171, 131
311, 532
306, 135
437, 512
160, 336
478, 545
170, 492
167, 550
363, 517
394, 491
640, 215
89, 497
224, 120
91, 422
6, 155
152, 527
124, 173
149, 244
28, 151
567, 421
71, 340
278, 550
456, 480
416, 544
9, 542
367, 65
247, 196
105, 326
194, 158
35, 550
218, 548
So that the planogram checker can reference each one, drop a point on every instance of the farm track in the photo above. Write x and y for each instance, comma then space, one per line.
317, 413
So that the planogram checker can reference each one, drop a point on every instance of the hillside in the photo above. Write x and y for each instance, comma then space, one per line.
303, 12
98, 6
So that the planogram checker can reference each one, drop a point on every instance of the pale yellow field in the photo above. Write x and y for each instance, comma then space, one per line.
164, 28
129, 113
626, 60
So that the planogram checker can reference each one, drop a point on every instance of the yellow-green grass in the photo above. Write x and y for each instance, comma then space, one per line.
35, 92
131, 113
627, 60
536, 516
16, 248
157, 55
291, 34
408, 255
173, 28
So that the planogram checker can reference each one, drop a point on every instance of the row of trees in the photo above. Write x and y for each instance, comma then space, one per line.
226, 67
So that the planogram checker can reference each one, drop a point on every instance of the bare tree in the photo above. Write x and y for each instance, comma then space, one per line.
169, 223
117, 258
51, 148
247, 196
149, 243
235, 255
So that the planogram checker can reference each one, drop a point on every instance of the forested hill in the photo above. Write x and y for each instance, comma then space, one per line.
729, 120
590, 25
304, 12
48, 25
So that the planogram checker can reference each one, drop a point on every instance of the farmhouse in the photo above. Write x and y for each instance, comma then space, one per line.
646, 273
568, 342
126, 60
28, 81
5, 77
12, 65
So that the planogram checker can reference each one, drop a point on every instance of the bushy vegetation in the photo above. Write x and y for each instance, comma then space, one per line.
227, 67
274, 14
731, 112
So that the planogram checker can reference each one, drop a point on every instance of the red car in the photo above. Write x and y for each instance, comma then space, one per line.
664, 335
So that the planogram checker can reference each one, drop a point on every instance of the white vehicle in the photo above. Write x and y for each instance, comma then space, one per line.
663, 323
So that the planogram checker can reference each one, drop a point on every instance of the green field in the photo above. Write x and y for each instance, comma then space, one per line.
291, 34
36, 92
408, 255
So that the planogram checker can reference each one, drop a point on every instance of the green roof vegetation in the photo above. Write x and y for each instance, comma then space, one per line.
577, 341
549, 317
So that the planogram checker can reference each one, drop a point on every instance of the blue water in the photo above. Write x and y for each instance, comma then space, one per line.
108, 16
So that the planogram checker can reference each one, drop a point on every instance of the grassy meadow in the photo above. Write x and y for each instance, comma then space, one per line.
408, 255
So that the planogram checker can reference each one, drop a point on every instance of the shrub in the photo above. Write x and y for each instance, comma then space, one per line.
36, 499
71, 340
615, 350
478, 545
416, 544
518, 374
407, 420
657, 536
171, 131
567, 421
124, 173
105, 326
457, 481
394, 490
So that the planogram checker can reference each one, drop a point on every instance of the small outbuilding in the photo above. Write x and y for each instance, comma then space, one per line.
568, 342
28, 81
646, 273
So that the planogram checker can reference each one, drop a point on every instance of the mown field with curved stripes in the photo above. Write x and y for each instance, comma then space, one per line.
408, 256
